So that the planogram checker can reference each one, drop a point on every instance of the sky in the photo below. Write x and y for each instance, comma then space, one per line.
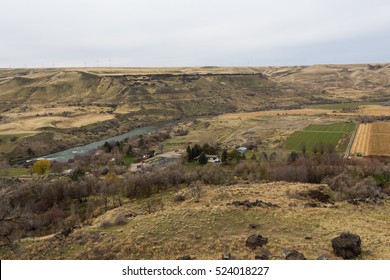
167, 33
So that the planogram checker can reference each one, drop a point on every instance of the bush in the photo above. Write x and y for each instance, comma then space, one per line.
41, 167
196, 190
367, 188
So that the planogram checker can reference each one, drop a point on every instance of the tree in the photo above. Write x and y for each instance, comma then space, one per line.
273, 156
130, 151
330, 148
107, 147
293, 157
303, 148
141, 141
315, 149
30, 152
263, 157
202, 158
41, 167
12, 220
224, 156
322, 148
189, 154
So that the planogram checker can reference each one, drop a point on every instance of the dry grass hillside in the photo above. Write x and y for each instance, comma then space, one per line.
166, 227
52, 109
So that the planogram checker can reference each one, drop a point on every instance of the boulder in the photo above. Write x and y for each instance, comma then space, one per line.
347, 246
253, 225
322, 258
262, 254
187, 258
227, 256
293, 255
256, 240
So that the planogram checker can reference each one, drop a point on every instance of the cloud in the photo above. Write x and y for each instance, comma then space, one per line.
168, 33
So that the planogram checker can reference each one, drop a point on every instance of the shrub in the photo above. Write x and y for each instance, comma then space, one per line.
41, 167
366, 188
196, 190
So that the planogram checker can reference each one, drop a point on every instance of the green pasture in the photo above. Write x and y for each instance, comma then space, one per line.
312, 135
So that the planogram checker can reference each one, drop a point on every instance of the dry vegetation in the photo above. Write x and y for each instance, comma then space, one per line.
81, 105
372, 139
100, 206
211, 227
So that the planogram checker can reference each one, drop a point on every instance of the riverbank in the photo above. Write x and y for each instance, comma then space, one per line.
69, 153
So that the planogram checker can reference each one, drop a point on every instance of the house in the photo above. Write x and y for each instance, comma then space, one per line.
242, 150
213, 159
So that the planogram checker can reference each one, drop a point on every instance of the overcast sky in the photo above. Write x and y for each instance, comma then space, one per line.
135, 33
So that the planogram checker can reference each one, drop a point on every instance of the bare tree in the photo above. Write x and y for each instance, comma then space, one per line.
11, 222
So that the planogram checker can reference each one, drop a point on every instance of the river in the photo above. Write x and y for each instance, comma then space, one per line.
65, 155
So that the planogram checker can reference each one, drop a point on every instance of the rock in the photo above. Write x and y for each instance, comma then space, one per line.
227, 256
262, 254
256, 240
184, 258
311, 205
293, 255
321, 195
347, 246
257, 203
254, 226
322, 258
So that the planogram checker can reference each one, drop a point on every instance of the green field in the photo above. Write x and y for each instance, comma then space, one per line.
321, 134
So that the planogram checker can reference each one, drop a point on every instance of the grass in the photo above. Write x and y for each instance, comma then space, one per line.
206, 229
340, 106
129, 160
14, 172
314, 135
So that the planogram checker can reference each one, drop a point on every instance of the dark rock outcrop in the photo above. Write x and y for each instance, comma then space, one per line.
256, 240
187, 258
293, 255
257, 203
227, 256
347, 246
262, 254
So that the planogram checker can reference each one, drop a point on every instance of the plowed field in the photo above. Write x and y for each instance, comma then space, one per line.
372, 139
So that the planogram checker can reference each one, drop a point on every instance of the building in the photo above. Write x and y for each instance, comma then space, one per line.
242, 150
213, 159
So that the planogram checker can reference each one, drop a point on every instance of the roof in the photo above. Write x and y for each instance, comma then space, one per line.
242, 149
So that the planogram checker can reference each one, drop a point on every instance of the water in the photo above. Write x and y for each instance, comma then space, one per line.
65, 155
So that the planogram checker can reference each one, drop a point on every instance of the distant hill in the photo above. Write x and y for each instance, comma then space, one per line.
78, 105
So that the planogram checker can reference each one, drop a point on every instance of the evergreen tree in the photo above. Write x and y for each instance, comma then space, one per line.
189, 154
107, 147
202, 158
224, 156
130, 150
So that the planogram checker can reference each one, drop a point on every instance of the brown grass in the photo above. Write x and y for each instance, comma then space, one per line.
206, 229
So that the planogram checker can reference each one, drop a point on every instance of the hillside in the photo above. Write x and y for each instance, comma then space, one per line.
52, 109
163, 227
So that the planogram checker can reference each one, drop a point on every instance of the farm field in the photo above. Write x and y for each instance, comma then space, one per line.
315, 135
372, 139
